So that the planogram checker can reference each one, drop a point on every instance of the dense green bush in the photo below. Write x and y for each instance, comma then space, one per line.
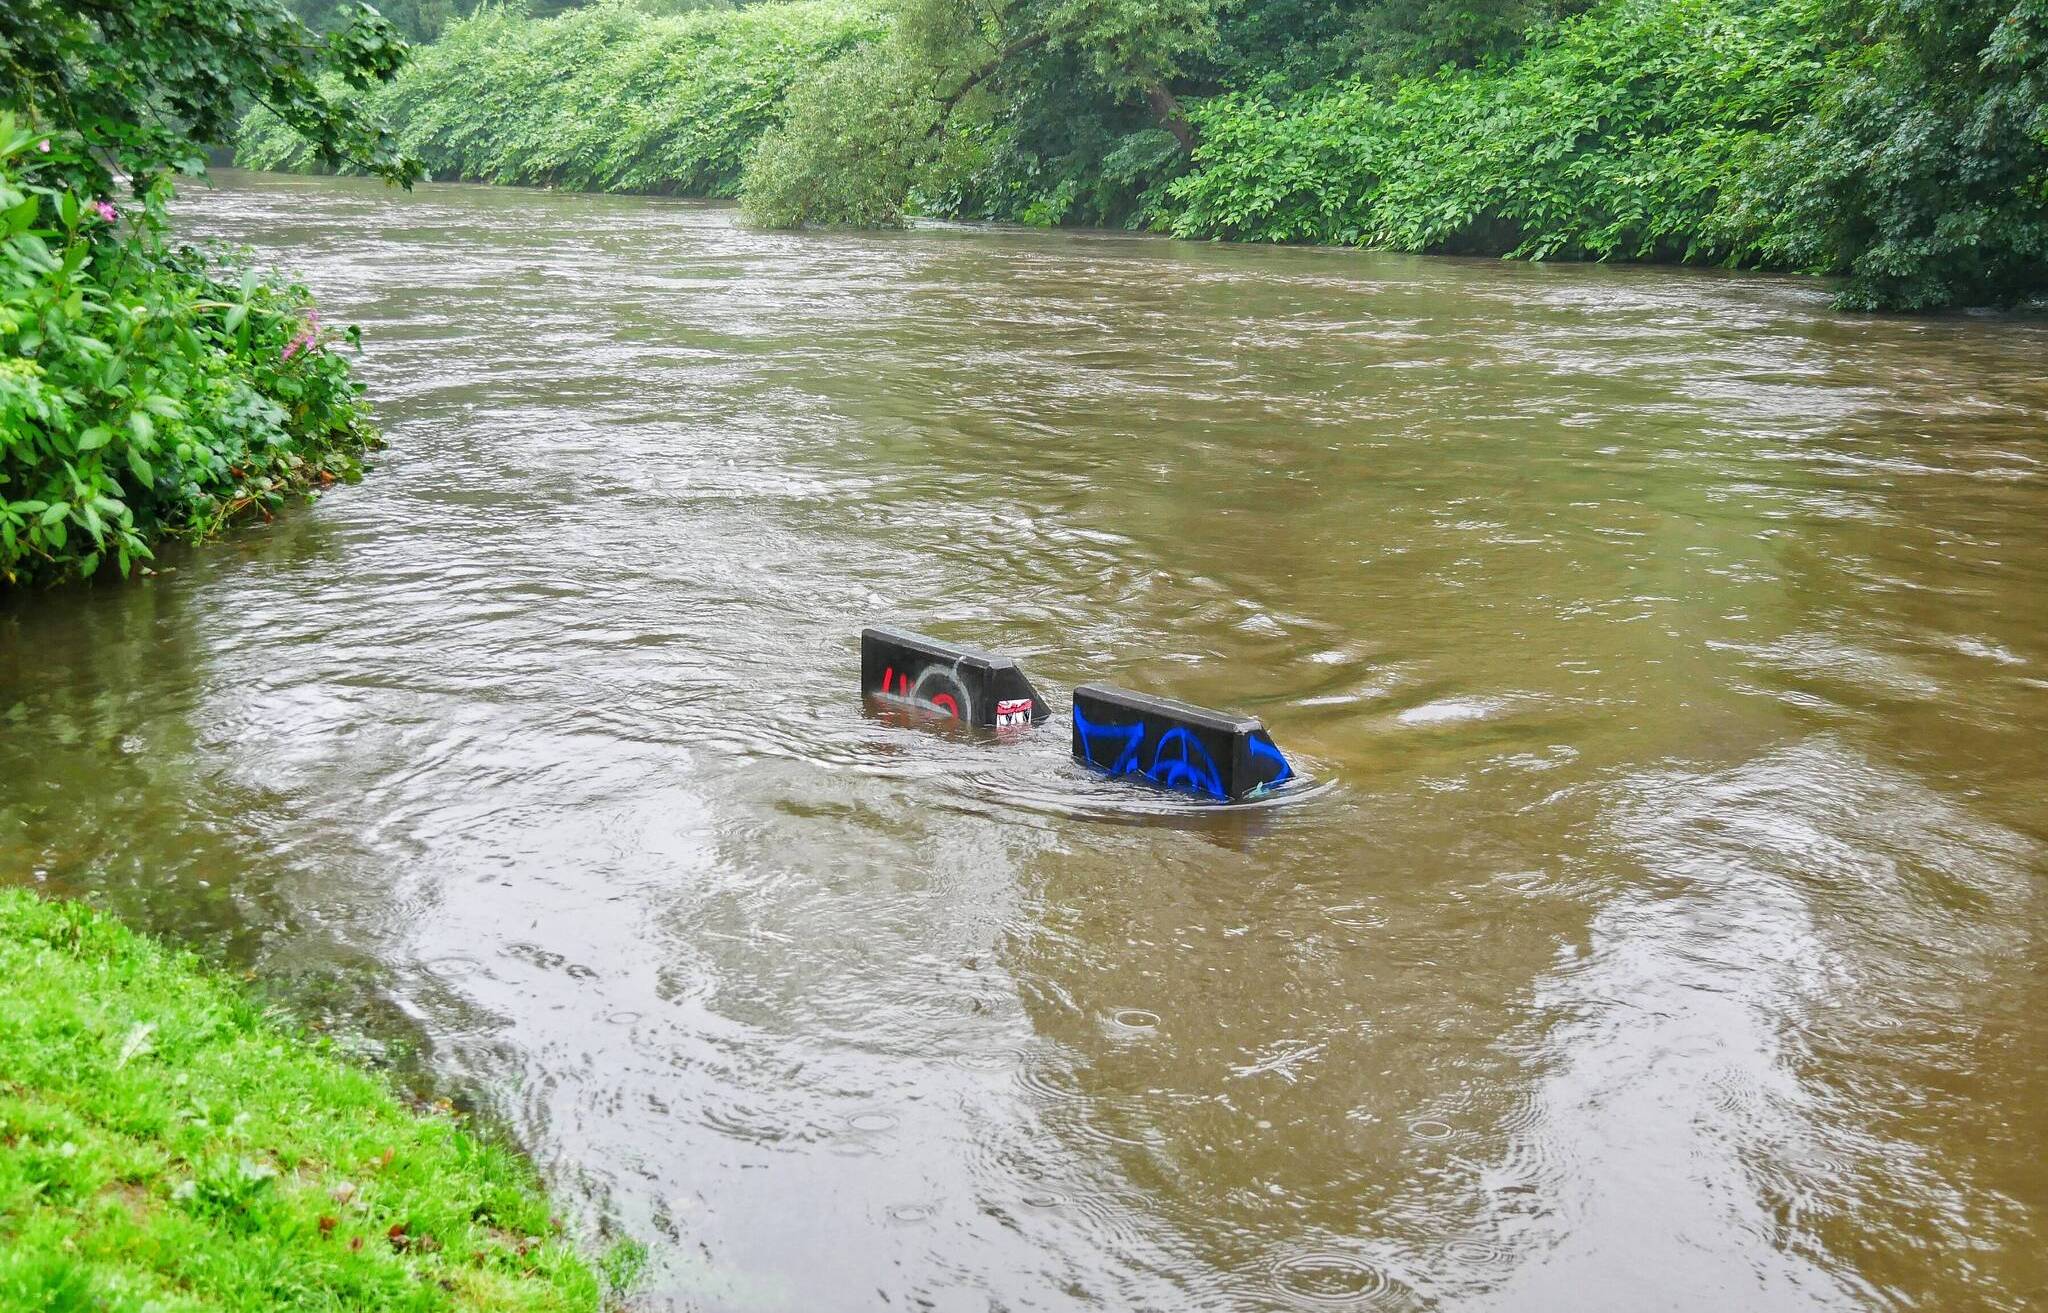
148, 390
604, 98
1922, 172
1631, 134
148, 86
1744, 132
853, 141
145, 391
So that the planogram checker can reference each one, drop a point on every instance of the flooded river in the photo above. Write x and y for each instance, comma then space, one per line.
1670, 931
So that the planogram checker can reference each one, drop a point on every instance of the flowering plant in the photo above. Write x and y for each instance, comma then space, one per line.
146, 391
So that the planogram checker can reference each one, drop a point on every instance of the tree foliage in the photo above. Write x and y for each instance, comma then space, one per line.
845, 155
1922, 170
148, 85
1631, 134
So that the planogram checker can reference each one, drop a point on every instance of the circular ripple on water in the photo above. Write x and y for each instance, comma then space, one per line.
1116, 1122
1734, 1094
871, 1123
1330, 1278
1135, 1019
1112, 1220
983, 1060
1475, 1253
737, 1121
1052, 1080
1430, 1129
1357, 916
910, 1213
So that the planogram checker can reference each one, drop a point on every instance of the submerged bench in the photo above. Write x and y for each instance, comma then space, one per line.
970, 685
1213, 754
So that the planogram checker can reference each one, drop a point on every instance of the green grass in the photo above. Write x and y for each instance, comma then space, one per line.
167, 1145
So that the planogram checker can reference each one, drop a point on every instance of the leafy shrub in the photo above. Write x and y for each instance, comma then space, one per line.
148, 85
1630, 134
855, 135
604, 98
145, 391
1768, 133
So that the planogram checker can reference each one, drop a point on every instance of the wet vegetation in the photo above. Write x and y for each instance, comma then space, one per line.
608, 98
170, 1147
149, 390
1901, 146
146, 391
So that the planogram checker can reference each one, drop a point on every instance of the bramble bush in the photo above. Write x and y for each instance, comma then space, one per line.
609, 97
146, 390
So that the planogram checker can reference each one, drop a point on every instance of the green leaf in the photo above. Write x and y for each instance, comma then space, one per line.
99, 435
143, 469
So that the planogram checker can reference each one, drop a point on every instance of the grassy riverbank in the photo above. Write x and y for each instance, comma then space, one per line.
166, 1145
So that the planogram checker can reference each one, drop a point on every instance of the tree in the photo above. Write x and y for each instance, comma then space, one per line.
1923, 172
416, 20
945, 56
148, 85
1127, 47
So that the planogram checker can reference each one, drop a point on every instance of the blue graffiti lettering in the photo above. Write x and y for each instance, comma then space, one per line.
1190, 768
1179, 761
1125, 737
1261, 746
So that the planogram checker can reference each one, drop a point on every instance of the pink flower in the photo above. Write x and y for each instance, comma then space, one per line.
44, 145
309, 336
107, 210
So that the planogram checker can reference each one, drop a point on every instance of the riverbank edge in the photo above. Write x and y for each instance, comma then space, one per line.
170, 1144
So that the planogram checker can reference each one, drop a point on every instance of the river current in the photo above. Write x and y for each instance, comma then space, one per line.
1669, 929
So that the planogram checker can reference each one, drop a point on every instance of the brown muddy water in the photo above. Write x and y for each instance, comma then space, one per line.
1668, 934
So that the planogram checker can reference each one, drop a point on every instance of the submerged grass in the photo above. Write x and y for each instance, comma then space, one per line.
167, 1145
